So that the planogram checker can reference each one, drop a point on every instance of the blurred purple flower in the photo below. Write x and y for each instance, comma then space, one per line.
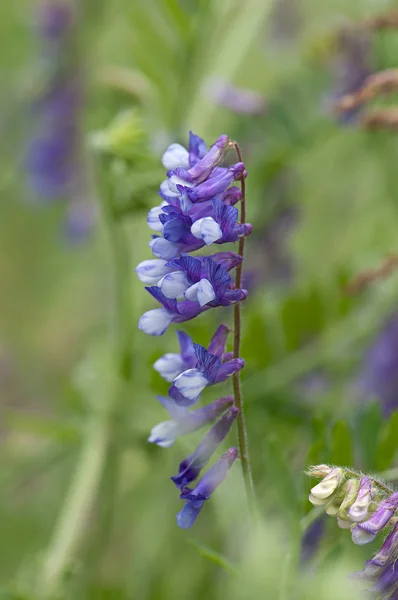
351, 67
311, 539
237, 99
55, 163
379, 374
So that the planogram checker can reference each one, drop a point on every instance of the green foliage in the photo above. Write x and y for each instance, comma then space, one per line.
148, 66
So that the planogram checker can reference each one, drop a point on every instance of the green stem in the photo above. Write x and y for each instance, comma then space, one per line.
100, 451
71, 526
242, 432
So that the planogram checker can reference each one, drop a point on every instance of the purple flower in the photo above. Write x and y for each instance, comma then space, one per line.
183, 421
172, 364
51, 160
215, 222
237, 99
382, 568
311, 539
191, 466
365, 532
212, 294
209, 370
210, 481
379, 374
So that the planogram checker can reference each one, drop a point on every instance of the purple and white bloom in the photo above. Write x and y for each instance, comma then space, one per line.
172, 364
176, 156
200, 280
184, 421
196, 498
190, 467
209, 370
155, 322
183, 233
359, 510
365, 532
152, 270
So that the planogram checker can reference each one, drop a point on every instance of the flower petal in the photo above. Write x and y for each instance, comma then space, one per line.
156, 321
153, 220
175, 156
190, 383
164, 434
207, 229
202, 292
169, 366
173, 285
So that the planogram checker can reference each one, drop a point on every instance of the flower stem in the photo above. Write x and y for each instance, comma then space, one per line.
242, 432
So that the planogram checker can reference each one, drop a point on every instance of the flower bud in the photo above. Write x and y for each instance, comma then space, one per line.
329, 484
350, 489
358, 511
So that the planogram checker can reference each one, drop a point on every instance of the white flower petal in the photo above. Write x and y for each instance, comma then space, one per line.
163, 248
156, 321
169, 366
360, 537
202, 292
164, 434
173, 181
190, 383
173, 285
153, 218
175, 156
164, 188
150, 271
206, 229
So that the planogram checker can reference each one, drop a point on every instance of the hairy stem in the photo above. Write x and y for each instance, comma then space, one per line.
242, 432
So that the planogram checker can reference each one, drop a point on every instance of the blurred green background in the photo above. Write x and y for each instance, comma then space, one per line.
322, 198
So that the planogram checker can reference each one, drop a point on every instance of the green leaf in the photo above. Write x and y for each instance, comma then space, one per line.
341, 445
388, 444
214, 556
368, 432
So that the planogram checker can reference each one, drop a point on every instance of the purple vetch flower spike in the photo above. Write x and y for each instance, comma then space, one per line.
365, 532
196, 498
170, 365
183, 421
190, 467
358, 511
209, 370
